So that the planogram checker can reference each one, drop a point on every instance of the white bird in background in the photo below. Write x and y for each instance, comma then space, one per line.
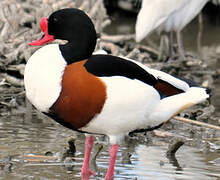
216, 2
167, 15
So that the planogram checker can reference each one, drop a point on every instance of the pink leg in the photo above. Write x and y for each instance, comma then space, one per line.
113, 154
85, 171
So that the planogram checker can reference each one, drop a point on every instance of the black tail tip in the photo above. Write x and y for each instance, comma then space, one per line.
209, 91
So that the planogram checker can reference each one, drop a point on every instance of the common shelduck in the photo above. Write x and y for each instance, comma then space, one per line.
167, 15
99, 94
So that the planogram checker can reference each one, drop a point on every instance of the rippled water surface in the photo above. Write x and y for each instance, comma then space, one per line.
135, 160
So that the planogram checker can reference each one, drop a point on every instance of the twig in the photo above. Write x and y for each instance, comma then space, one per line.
39, 156
60, 4
28, 110
19, 68
196, 122
72, 147
133, 53
162, 133
95, 8
13, 80
111, 46
174, 147
97, 150
117, 38
105, 23
84, 5
148, 49
5, 104
4, 32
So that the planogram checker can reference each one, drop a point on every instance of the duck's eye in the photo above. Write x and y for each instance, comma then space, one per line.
55, 19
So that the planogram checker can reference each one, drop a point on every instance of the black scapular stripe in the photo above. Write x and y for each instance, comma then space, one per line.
107, 65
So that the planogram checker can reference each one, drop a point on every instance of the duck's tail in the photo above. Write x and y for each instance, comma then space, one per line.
172, 105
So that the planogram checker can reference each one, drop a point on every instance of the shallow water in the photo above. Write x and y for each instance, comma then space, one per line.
147, 161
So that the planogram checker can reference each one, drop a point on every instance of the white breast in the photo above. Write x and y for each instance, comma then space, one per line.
43, 76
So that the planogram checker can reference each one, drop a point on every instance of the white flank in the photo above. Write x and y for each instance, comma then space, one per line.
43, 76
128, 104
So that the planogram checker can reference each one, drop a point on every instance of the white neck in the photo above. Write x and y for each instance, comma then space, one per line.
43, 76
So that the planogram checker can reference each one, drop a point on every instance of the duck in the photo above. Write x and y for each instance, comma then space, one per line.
99, 93
168, 16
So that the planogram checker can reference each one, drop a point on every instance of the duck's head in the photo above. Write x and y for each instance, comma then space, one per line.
68, 24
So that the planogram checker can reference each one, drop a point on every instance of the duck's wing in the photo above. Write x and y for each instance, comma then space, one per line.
107, 65
154, 13
166, 84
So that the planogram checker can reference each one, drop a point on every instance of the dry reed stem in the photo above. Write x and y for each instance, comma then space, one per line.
190, 121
